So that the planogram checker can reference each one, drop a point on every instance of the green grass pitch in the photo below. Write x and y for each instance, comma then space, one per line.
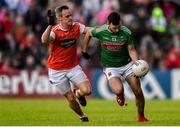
55, 112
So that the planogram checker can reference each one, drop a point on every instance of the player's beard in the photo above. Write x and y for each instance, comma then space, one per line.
69, 23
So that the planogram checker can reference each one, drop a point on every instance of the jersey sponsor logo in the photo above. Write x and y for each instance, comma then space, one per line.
113, 46
67, 43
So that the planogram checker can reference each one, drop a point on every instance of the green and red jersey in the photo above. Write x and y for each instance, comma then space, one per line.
114, 46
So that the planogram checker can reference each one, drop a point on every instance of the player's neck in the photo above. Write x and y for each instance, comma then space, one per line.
65, 27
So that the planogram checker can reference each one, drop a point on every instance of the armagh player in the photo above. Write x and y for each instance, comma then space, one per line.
117, 57
63, 66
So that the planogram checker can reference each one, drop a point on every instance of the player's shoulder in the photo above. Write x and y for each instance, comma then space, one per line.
55, 27
77, 24
126, 30
100, 28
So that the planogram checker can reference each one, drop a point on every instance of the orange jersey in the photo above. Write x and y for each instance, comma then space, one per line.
63, 49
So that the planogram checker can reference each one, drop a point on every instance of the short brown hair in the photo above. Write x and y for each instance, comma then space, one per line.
59, 9
114, 18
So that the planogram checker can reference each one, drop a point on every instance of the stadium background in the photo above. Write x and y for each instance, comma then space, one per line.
23, 68
155, 25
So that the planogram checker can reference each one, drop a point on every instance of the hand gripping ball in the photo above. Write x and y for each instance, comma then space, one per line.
140, 68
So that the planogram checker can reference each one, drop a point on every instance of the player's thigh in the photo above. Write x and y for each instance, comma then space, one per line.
79, 78
112, 72
58, 79
114, 78
116, 85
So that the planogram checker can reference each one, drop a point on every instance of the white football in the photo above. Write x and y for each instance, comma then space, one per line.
140, 68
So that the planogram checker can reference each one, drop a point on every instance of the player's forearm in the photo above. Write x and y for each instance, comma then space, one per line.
45, 38
133, 53
86, 41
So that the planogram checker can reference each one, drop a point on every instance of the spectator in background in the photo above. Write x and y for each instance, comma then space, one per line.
169, 10
30, 52
78, 12
30, 63
141, 2
90, 9
124, 4
12, 4
173, 58
141, 18
17, 61
7, 22
19, 30
147, 47
29, 41
1, 60
157, 20
3, 4
6, 25
23, 6
33, 18
175, 33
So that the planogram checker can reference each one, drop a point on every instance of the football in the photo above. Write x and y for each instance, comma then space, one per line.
140, 68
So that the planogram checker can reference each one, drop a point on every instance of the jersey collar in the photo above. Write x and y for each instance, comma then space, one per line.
61, 28
107, 27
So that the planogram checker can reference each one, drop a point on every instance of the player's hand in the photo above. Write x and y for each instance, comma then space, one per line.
51, 17
138, 76
85, 55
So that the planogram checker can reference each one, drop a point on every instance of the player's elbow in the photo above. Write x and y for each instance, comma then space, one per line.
88, 35
43, 40
89, 32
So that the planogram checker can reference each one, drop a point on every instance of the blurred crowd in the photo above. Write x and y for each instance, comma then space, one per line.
155, 25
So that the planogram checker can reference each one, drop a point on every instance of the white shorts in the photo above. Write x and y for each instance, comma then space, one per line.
62, 79
124, 71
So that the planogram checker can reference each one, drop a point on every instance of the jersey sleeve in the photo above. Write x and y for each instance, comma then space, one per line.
130, 39
52, 36
128, 32
93, 32
82, 28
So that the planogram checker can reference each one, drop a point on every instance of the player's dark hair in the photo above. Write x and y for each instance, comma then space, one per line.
114, 18
59, 9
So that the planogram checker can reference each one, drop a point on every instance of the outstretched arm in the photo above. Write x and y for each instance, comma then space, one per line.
86, 41
133, 53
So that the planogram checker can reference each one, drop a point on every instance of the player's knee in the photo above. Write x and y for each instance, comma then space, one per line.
86, 91
117, 91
